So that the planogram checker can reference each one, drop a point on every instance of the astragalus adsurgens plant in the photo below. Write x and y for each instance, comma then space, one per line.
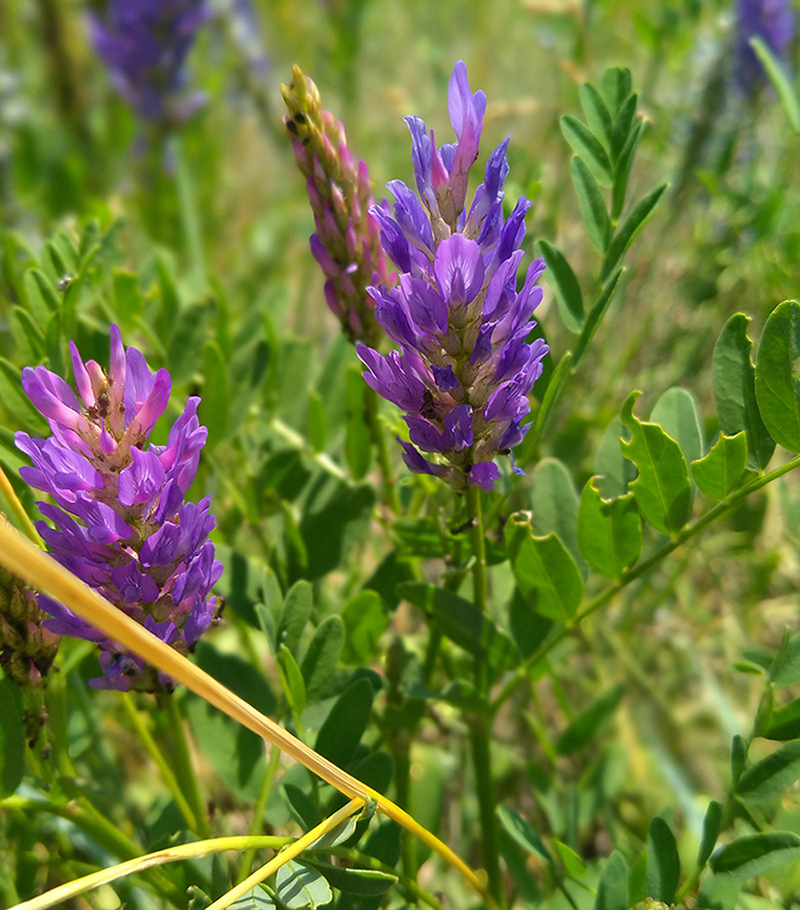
122, 524
465, 367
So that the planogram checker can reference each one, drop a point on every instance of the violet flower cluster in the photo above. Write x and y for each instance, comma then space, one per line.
144, 44
347, 240
121, 521
775, 22
465, 366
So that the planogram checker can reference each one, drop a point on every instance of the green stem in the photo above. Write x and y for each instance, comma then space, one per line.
379, 440
163, 766
258, 811
480, 725
637, 571
478, 545
184, 766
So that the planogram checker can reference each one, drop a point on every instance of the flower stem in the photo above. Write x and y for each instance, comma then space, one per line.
163, 766
379, 440
258, 810
185, 765
480, 725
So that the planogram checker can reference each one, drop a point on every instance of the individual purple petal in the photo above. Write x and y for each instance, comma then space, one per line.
425, 304
458, 427
445, 377
133, 585
416, 463
483, 475
141, 481
458, 268
425, 435
466, 116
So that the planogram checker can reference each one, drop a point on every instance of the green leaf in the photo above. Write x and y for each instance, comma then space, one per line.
676, 413
784, 723
589, 724
523, 833
338, 835
43, 298
554, 389
622, 171
596, 112
322, 657
296, 612
560, 276
609, 532
785, 669
596, 314
621, 130
592, 206
574, 866
630, 227
712, 824
300, 886
12, 737
616, 86
719, 472
780, 81
358, 440
583, 143
365, 882
127, 295
752, 855
614, 472
317, 422
216, 402
302, 807
777, 385
462, 622
554, 504
772, 775
257, 899
28, 335
295, 684
663, 862
335, 517
187, 338
545, 572
365, 619
339, 736
735, 391
738, 758
528, 628
612, 890
528, 890
662, 489
16, 402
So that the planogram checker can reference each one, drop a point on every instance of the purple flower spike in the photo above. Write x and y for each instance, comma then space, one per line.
144, 44
121, 523
775, 22
465, 367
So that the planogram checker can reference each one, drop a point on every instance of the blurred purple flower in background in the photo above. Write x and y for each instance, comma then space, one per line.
775, 22
136, 541
144, 44
465, 367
